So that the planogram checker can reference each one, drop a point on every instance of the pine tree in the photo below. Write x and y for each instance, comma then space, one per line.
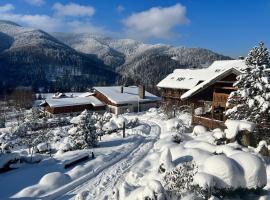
252, 99
85, 135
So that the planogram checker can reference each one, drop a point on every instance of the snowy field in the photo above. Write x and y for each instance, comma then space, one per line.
142, 164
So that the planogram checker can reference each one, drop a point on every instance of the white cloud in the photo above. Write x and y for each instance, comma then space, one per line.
50, 23
120, 8
156, 22
73, 9
6, 8
43, 22
35, 2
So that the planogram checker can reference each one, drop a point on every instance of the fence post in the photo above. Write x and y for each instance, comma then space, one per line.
124, 129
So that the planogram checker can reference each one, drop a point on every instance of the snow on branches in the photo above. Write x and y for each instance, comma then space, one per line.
85, 133
251, 101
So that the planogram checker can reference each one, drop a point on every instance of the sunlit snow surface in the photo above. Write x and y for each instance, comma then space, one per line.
128, 167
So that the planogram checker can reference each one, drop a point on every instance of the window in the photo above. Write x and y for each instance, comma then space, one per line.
180, 78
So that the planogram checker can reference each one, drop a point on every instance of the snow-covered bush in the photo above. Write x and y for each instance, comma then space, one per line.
109, 127
235, 126
177, 138
119, 121
152, 191
199, 129
220, 136
262, 148
133, 123
235, 174
85, 134
179, 181
43, 147
47, 183
251, 101
101, 120
165, 161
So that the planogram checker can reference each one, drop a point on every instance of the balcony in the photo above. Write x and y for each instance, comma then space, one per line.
207, 122
220, 99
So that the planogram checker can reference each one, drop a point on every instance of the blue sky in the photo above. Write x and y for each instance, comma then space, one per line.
230, 27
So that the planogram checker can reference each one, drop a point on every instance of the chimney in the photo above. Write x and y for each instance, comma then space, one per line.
122, 89
142, 91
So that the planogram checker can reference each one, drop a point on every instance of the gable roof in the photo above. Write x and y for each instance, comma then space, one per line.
209, 82
64, 102
129, 95
189, 78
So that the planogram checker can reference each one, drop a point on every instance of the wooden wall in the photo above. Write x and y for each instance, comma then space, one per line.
71, 109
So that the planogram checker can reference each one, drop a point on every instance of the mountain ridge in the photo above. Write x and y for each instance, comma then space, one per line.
76, 61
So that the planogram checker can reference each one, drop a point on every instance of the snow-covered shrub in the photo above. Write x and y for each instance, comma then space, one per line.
43, 147
67, 144
109, 127
220, 136
177, 138
133, 123
101, 120
226, 172
253, 168
119, 121
262, 148
47, 183
199, 129
165, 161
85, 134
179, 181
235, 126
178, 132
173, 124
152, 191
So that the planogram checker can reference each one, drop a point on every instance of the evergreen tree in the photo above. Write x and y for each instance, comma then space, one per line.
252, 99
85, 135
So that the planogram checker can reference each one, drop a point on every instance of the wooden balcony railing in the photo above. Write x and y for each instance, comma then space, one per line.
207, 122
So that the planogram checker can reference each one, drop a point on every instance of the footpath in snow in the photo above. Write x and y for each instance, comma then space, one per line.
100, 185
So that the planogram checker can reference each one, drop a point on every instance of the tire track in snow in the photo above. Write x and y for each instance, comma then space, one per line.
102, 182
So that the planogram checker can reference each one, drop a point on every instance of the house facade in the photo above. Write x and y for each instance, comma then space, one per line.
205, 90
120, 99
69, 105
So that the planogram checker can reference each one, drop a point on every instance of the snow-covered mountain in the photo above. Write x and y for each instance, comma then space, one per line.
64, 61
138, 62
33, 57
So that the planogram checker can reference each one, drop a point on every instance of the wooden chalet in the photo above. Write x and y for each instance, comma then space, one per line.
205, 90
120, 99
72, 105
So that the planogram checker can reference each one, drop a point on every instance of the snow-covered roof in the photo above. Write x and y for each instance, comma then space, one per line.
54, 103
129, 95
209, 82
86, 94
189, 78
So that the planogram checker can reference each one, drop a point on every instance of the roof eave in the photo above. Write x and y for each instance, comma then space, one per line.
186, 95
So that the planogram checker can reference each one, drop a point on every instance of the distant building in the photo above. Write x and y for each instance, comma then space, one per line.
72, 105
120, 99
206, 90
